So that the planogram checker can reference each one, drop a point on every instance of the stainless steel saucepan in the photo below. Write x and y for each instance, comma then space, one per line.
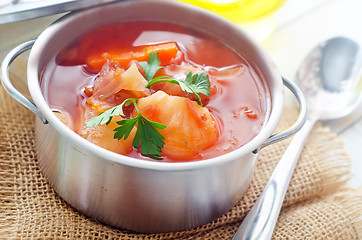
144, 196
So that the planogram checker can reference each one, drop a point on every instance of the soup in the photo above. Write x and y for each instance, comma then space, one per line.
157, 91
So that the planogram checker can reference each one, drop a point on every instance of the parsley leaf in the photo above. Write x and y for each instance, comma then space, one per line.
126, 126
106, 116
193, 83
161, 79
197, 83
152, 66
147, 136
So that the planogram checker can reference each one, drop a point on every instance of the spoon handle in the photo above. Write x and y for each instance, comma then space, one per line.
261, 219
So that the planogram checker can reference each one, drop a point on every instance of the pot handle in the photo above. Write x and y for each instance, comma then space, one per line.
7, 84
303, 110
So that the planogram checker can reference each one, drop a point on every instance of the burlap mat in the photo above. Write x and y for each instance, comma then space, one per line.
317, 204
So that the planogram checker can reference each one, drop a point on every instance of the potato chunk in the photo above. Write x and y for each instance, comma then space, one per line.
190, 127
102, 135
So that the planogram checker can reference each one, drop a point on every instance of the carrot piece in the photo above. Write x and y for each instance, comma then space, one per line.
166, 52
250, 113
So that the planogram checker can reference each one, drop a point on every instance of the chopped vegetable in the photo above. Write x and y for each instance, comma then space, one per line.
190, 127
105, 117
197, 83
180, 72
147, 137
152, 66
250, 113
166, 52
103, 135
113, 79
193, 83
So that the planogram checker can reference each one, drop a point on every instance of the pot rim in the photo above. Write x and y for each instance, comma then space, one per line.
275, 106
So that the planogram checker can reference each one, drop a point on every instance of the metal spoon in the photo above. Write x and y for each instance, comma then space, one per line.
328, 77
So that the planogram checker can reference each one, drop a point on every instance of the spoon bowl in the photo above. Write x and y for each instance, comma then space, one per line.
328, 77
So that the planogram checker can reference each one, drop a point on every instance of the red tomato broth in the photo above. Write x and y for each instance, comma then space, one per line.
66, 77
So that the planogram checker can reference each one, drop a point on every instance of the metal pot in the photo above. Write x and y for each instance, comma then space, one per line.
144, 196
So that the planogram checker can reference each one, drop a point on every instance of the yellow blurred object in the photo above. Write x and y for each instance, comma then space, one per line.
254, 15
239, 10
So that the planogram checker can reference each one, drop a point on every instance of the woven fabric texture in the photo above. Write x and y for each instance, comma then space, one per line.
317, 204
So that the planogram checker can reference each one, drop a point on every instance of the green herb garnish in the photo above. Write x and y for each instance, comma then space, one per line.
193, 83
106, 116
152, 66
147, 135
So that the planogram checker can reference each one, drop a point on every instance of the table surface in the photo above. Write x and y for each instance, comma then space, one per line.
300, 25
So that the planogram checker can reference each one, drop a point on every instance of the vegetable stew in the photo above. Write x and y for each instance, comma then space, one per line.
157, 91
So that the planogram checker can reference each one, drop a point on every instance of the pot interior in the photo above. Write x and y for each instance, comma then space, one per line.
69, 28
